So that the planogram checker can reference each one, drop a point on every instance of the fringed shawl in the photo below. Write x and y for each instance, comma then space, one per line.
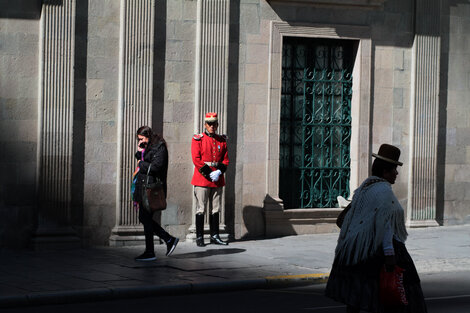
373, 206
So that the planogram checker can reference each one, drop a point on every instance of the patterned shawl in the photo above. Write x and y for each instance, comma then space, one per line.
373, 206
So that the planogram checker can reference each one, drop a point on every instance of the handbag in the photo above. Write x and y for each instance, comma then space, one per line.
392, 289
153, 195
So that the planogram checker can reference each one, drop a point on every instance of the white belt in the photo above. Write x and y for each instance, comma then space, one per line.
213, 164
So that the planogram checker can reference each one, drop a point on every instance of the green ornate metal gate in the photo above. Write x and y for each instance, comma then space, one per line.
315, 122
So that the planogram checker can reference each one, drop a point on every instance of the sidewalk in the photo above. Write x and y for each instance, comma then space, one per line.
32, 278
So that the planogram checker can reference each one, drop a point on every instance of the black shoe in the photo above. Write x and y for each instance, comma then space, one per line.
146, 256
215, 239
171, 245
200, 242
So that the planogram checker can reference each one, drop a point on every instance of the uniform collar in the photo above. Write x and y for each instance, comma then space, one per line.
207, 133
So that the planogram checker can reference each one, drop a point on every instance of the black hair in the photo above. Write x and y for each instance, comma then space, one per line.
380, 166
147, 132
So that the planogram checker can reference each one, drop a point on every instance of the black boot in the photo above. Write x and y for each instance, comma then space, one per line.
200, 230
214, 226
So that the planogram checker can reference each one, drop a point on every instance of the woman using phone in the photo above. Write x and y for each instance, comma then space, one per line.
151, 152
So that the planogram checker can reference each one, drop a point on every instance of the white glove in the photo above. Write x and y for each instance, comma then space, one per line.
215, 175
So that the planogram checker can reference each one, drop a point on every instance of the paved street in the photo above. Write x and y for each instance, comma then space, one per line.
29, 278
445, 293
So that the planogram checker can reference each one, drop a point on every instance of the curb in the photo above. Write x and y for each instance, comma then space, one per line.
103, 294
307, 279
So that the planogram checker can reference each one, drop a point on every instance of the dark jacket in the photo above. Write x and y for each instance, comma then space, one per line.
157, 155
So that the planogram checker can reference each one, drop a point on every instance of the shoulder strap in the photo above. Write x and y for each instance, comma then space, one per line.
148, 173
198, 136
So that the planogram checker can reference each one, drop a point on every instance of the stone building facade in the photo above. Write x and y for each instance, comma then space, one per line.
77, 78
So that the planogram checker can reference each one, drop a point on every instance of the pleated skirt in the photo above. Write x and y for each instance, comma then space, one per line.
358, 285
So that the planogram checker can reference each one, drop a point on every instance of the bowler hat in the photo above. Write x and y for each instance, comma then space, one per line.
389, 154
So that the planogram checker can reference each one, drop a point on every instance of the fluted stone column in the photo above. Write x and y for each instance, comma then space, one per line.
135, 108
55, 118
424, 115
211, 81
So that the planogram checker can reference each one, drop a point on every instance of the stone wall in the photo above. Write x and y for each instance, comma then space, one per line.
178, 113
456, 126
385, 98
101, 113
19, 47
391, 35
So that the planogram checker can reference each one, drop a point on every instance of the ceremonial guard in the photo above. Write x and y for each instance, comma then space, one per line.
210, 158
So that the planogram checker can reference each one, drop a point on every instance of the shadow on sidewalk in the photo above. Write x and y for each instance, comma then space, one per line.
207, 253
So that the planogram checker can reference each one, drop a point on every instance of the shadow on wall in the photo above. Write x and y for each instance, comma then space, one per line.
9, 236
17, 189
158, 97
232, 112
23, 9
357, 15
79, 113
253, 222
17, 158
274, 220
445, 28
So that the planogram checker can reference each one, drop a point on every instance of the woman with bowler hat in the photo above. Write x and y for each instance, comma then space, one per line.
372, 237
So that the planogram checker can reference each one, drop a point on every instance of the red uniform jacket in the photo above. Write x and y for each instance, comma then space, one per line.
206, 149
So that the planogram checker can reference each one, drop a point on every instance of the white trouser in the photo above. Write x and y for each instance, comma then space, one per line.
208, 196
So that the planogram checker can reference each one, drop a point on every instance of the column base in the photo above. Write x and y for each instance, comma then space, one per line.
122, 236
126, 236
422, 223
191, 236
300, 221
288, 222
55, 238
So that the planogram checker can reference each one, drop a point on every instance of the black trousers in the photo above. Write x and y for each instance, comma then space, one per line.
151, 227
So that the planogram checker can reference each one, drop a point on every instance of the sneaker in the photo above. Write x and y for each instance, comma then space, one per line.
171, 245
146, 256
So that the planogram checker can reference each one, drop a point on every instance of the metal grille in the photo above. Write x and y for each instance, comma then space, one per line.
315, 122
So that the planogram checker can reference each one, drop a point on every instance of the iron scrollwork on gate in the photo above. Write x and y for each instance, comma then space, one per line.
315, 122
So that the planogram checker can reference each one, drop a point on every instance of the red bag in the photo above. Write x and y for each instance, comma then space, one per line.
392, 290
